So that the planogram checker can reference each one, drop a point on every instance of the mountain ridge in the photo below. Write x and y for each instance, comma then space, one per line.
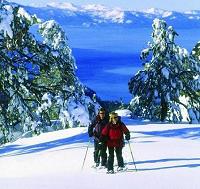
98, 15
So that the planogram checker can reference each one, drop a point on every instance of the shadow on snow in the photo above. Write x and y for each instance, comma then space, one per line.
186, 133
12, 150
176, 160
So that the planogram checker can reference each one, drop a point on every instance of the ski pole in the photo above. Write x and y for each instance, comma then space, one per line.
85, 154
132, 155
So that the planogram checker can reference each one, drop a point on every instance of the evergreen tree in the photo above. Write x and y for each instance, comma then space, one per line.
169, 76
196, 51
16, 57
196, 84
37, 78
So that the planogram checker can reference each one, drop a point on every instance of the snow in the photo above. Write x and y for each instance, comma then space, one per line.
64, 5
94, 7
5, 21
165, 72
24, 14
78, 113
192, 116
129, 22
166, 156
124, 70
167, 14
97, 14
192, 12
115, 15
124, 113
158, 12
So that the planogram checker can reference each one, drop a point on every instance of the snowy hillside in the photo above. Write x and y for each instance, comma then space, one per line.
99, 15
166, 156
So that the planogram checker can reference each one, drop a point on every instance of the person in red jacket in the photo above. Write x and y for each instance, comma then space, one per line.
113, 134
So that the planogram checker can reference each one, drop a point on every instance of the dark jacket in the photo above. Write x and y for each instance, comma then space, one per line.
113, 134
96, 127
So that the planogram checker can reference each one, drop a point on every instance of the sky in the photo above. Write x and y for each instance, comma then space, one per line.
177, 5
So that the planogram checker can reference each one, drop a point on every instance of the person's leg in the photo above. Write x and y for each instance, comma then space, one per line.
120, 160
104, 155
110, 158
96, 152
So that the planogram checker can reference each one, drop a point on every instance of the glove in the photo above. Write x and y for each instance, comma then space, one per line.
127, 137
95, 134
90, 134
100, 145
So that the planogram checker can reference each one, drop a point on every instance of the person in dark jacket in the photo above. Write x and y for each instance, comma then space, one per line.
94, 130
113, 133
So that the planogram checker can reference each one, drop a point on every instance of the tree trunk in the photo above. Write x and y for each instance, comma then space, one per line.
164, 109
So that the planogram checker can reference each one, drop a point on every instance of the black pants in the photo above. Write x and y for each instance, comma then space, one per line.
120, 161
100, 152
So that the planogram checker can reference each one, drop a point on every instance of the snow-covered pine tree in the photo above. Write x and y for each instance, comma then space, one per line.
37, 78
16, 54
196, 51
69, 89
166, 88
195, 54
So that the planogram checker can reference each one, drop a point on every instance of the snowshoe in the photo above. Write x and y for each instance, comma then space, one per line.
102, 167
110, 172
121, 169
96, 165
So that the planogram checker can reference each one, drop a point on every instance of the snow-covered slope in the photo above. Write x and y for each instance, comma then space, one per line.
99, 15
166, 156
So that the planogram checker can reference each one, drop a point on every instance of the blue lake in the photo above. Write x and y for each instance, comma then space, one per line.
108, 58
107, 73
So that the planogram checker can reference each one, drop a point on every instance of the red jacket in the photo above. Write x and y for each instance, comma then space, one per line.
114, 134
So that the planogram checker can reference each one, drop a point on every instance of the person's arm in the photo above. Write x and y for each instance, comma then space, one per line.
91, 127
104, 134
126, 132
